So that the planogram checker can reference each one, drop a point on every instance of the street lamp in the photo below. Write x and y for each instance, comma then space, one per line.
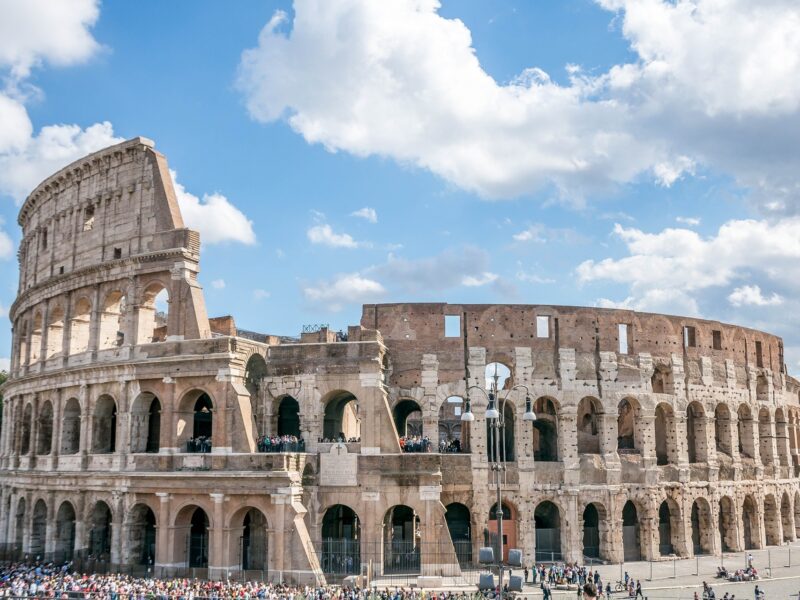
496, 421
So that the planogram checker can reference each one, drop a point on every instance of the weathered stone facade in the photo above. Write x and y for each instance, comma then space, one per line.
133, 436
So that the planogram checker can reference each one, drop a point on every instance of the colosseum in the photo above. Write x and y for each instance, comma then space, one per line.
139, 432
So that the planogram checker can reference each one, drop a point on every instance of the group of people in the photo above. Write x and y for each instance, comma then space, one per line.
415, 443
748, 574
580, 576
339, 439
199, 445
283, 443
448, 446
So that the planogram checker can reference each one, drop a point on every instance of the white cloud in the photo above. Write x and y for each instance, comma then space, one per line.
3, 310
260, 294
531, 234
479, 280
533, 278
668, 172
366, 213
218, 284
214, 217
691, 221
324, 235
750, 295
344, 289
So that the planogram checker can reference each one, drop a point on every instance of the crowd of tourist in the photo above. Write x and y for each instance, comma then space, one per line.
199, 445
415, 443
449, 446
283, 443
573, 574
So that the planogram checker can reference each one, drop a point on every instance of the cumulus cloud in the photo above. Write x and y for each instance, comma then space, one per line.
750, 295
260, 294
479, 280
214, 217
344, 289
324, 235
218, 284
691, 221
366, 213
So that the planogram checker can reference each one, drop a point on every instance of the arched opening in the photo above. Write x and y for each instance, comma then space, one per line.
100, 532
22, 348
342, 422
289, 417
459, 524
661, 381
453, 432
194, 521
55, 333
509, 529
765, 437
141, 536
588, 424
104, 428
591, 532
781, 437
202, 425
772, 523
254, 549
727, 525
665, 435
19, 525
498, 373
545, 430
112, 328
79, 326
65, 533
665, 530
500, 440
401, 541
71, 427
408, 419
702, 531
145, 423
153, 314
38, 531
25, 439
341, 541
752, 539
36, 337
696, 433
627, 421
631, 543
786, 518
547, 524
44, 435
722, 429
254, 374
797, 514
746, 432
762, 388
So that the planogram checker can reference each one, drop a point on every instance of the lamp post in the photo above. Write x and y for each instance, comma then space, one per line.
497, 424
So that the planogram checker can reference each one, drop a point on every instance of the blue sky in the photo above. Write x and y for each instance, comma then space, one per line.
609, 152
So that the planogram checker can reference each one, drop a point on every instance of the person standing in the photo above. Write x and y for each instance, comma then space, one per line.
589, 592
639, 589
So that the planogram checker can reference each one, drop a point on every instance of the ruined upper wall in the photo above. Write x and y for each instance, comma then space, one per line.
411, 330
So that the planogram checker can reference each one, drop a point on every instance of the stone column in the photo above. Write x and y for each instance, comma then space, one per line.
67, 328
86, 423
568, 447
648, 532
34, 445
58, 409
80, 523
216, 554
94, 324
45, 328
169, 427
116, 528
52, 528
164, 545
277, 558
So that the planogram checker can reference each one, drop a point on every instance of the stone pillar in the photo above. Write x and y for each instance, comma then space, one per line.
34, 445
124, 403
164, 545
58, 409
45, 328
277, 557
568, 447
116, 528
648, 532
52, 528
80, 523
67, 328
94, 325
168, 437
216, 556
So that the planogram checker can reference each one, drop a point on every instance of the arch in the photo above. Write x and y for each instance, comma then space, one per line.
781, 437
140, 527
509, 529
112, 327
702, 529
666, 441
500, 443
631, 539
547, 525
341, 417
459, 524
499, 373
588, 423
19, 524
22, 338
195, 421
797, 514
100, 532
665, 547
752, 537
762, 388
104, 425
44, 435
289, 417
65, 532
765, 437
145, 423
71, 427
38, 530
772, 522
249, 539
36, 337
55, 332
786, 518
341, 541
746, 431
723, 430
25, 439
79, 326
696, 433
627, 426
254, 373
545, 430
401, 552
591, 529
191, 537
727, 525
662, 381
407, 416
453, 432
153, 314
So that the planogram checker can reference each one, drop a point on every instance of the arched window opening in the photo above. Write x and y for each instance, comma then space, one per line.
55, 333
100, 532
746, 432
588, 425
342, 422
202, 425
453, 432
22, 337
25, 441
591, 532
750, 524
71, 427
197, 556
665, 435
153, 426
665, 530
153, 314
626, 427
65, 533
723, 432
500, 439
631, 543
19, 525
509, 530
289, 417
772, 523
145, 423
702, 532
44, 442
781, 437
408, 419
459, 524
341, 541
79, 326
401, 549
547, 524
696, 433
112, 321
254, 374
727, 525
786, 518
762, 389
499, 373
104, 432
765, 437
797, 514
38, 531
36, 337
661, 381
545, 431
254, 541
141, 536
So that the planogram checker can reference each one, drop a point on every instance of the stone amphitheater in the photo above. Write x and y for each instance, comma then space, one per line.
133, 426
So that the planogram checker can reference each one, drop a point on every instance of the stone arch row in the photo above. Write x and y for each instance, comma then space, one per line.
104, 317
